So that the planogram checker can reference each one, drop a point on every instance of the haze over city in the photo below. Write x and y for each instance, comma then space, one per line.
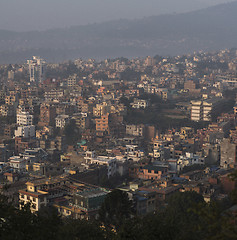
118, 119
25, 15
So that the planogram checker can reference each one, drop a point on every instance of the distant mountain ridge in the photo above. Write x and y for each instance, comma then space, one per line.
208, 29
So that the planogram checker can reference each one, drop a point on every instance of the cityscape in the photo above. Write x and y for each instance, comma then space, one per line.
119, 148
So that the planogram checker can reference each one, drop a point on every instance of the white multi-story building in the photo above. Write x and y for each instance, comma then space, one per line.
62, 120
25, 131
37, 69
207, 107
200, 110
196, 111
133, 153
18, 163
36, 200
110, 162
24, 119
39, 193
188, 160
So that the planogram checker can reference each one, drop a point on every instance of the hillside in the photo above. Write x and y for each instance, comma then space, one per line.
208, 29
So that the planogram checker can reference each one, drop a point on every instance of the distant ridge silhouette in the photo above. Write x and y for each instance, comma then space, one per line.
212, 28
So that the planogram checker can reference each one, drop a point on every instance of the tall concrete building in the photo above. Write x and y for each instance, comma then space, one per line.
72, 80
24, 119
228, 153
102, 124
149, 61
47, 115
11, 75
200, 110
37, 69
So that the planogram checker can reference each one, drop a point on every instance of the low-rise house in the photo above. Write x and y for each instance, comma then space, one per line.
18, 163
88, 202
40, 193
110, 162
139, 103
193, 175
145, 202
151, 172
135, 130
162, 192
133, 153
188, 160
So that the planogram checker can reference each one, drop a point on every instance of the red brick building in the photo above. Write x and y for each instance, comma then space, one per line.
21, 144
102, 124
47, 115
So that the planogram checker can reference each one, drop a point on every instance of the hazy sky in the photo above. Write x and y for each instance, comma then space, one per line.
24, 15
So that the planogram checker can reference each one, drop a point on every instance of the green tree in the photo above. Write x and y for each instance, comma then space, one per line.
233, 194
17, 224
72, 134
115, 209
49, 223
81, 230
223, 106
150, 227
125, 101
130, 75
179, 215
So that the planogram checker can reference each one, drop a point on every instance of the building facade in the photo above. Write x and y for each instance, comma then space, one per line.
37, 69
47, 115
200, 110
24, 119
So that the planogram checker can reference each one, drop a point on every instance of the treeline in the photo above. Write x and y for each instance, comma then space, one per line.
159, 120
154, 114
223, 106
187, 216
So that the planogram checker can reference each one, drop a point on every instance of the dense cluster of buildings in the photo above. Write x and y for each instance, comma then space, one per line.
73, 131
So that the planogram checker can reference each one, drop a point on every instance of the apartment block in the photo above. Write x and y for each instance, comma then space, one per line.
47, 115
135, 130
200, 110
24, 119
37, 69
102, 124
62, 120
25, 131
